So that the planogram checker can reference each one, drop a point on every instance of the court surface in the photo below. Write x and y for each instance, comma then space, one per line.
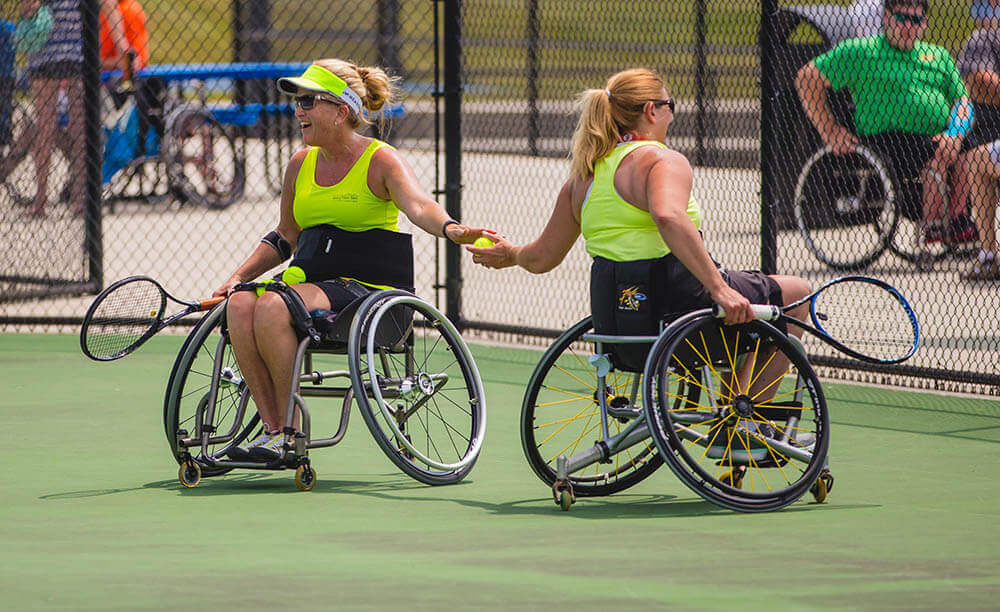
94, 518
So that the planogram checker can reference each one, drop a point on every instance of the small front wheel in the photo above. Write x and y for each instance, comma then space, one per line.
189, 473
565, 500
305, 477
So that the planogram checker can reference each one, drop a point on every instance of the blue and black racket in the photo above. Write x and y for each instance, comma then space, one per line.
863, 317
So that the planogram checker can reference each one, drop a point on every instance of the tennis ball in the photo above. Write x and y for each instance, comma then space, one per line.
482, 242
293, 275
262, 289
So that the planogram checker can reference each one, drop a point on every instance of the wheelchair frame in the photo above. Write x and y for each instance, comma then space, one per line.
688, 416
872, 203
426, 412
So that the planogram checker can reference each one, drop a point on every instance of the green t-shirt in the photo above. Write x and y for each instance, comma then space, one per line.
908, 91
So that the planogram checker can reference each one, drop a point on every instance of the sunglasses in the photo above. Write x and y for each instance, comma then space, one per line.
908, 18
669, 103
308, 101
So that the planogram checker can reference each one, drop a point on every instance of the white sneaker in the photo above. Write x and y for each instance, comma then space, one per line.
242, 452
269, 449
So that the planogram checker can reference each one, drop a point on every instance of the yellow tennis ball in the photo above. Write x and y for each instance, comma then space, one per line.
262, 289
482, 242
293, 275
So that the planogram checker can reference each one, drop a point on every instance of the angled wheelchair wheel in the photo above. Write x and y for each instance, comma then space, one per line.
417, 386
845, 207
560, 415
203, 164
756, 437
206, 350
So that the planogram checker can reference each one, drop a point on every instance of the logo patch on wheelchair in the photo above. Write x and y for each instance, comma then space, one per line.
631, 298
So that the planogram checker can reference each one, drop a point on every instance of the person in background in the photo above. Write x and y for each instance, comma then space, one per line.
911, 107
979, 63
56, 69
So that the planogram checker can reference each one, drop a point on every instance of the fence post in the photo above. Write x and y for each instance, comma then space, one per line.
700, 79
453, 153
387, 13
768, 222
93, 232
533, 118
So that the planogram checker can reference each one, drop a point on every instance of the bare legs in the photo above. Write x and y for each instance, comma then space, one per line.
983, 176
45, 96
760, 373
264, 343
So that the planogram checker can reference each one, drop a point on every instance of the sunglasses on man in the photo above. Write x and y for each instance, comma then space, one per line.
908, 18
308, 101
669, 103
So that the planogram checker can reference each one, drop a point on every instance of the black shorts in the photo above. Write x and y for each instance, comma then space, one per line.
342, 292
57, 70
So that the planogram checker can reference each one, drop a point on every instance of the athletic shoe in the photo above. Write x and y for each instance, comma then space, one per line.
988, 270
935, 232
269, 449
242, 452
961, 229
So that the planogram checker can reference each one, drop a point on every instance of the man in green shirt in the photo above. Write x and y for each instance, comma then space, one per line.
911, 106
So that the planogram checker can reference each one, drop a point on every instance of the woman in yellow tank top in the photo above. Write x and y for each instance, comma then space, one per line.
630, 197
343, 186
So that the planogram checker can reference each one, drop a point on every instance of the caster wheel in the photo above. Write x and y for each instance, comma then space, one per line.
565, 500
305, 477
823, 486
734, 478
189, 473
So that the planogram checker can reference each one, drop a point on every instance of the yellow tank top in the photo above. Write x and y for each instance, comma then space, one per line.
613, 228
350, 204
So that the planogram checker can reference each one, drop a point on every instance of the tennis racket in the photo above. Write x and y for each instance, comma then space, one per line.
128, 313
863, 317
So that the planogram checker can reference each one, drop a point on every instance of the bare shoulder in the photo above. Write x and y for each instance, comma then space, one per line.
644, 159
387, 157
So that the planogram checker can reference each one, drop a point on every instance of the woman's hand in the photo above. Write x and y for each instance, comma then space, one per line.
227, 287
735, 305
502, 254
463, 234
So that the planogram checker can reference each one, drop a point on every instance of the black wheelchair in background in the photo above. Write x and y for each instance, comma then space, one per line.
696, 396
851, 208
412, 375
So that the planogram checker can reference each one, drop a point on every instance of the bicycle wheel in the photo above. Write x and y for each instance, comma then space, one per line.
188, 392
756, 438
417, 387
845, 207
561, 415
203, 165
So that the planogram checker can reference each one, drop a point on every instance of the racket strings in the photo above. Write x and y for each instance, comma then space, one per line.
866, 318
123, 317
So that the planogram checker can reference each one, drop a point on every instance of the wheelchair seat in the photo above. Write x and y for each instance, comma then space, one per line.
335, 328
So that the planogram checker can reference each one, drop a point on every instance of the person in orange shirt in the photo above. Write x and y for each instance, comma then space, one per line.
134, 23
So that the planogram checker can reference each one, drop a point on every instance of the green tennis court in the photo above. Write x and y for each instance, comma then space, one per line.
93, 516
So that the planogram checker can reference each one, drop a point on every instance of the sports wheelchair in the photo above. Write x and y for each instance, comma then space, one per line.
851, 208
412, 375
697, 395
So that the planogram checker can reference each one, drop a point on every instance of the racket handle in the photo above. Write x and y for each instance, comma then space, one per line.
762, 312
209, 303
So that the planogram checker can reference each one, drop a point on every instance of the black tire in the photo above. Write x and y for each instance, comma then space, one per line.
845, 208
203, 164
723, 443
560, 412
188, 389
419, 370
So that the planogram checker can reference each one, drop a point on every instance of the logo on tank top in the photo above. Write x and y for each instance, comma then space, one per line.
631, 298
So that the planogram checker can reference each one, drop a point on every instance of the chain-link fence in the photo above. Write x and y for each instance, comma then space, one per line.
771, 198
193, 147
